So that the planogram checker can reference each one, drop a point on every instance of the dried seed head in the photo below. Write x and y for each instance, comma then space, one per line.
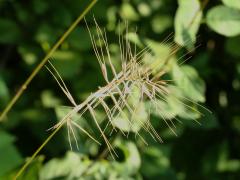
135, 80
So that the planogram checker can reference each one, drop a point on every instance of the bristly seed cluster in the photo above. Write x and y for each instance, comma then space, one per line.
113, 97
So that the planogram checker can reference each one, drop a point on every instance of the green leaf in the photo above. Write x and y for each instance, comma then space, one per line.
144, 9
161, 23
72, 165
9, 156
49, 100
29, 53
162, 58
132, 157
112, 18
187, 22
6, 138
128, 12
78, 166
134, 38
10, 32
166, 109
161, 52
174, 105
188, 80
224, 20
232, 3
132, 121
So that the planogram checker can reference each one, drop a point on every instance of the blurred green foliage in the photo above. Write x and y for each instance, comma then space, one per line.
211, 77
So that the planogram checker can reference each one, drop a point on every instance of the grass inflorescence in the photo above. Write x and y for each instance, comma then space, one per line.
134, 77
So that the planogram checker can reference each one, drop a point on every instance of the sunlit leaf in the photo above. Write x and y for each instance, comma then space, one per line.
128, 12
78, 166
188, 80
158, 57
144, 9
224, 20
161, 23
187, 22
132, 159
29, 53
132, 121
232, 3
71, 166
49, 100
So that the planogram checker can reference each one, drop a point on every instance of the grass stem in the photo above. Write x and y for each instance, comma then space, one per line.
36, 152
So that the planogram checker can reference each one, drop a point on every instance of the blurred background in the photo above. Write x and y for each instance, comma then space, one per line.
211, 77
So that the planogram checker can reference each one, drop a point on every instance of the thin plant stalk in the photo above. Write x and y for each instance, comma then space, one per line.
23, 168
44, 60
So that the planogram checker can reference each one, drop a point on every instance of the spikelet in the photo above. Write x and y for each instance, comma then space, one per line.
113, 97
